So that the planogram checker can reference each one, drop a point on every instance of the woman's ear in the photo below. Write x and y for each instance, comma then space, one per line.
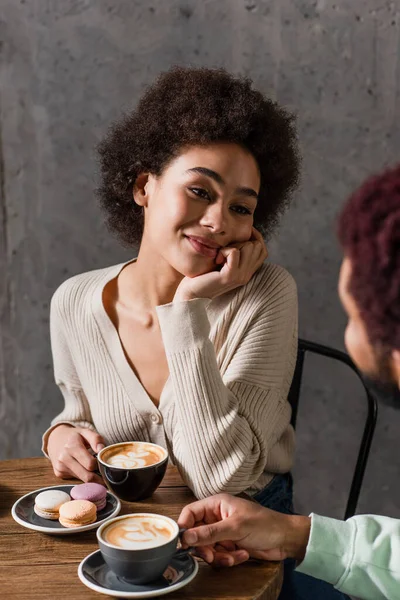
141, 189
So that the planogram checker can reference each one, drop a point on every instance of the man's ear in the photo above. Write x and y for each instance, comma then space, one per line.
396, 365
141, 189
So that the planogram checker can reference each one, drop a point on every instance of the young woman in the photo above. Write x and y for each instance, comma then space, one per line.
191, 345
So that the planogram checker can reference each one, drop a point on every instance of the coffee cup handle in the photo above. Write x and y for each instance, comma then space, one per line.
182, 552
109, 475
94, 454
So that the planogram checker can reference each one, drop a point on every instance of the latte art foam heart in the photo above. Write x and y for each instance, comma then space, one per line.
132, 459
134, 455
135, 533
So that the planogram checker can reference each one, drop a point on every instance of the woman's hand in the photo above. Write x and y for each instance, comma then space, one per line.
68, 446
240, 262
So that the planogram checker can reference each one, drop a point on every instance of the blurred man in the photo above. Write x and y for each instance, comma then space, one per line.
360, 556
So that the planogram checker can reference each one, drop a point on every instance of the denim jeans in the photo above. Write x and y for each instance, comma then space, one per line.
278, 495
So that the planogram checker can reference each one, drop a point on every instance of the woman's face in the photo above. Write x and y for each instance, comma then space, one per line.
204, 199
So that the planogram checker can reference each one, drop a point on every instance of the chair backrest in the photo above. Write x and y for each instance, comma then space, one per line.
305, 346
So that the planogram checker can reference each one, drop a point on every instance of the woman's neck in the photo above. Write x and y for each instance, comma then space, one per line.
148, 282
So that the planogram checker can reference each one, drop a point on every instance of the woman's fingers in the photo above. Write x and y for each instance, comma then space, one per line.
250, 256
256, 235
93, 439
75, 460
76, 447
232, 257
247, 258
67, 466
234, 267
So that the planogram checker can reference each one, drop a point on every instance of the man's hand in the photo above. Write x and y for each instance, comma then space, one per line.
245, 530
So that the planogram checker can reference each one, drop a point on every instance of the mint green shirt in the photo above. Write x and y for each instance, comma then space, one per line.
360, 556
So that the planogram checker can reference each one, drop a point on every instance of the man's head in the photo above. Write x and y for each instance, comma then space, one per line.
369, 284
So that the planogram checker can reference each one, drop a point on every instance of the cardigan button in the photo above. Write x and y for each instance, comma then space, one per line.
156, 418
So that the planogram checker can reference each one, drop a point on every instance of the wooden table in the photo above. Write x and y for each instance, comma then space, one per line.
38, 566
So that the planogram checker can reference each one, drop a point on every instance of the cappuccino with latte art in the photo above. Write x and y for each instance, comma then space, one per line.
139, 531
133, 470
133, 455
139, 547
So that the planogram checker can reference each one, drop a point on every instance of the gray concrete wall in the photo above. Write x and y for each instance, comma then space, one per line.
69, 67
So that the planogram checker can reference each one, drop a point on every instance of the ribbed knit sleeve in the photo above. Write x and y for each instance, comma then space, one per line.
226, 426
76, 410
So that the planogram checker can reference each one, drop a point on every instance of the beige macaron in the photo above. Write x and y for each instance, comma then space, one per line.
77, 513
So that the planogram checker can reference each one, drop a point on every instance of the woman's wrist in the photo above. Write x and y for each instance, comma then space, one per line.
186, 295
58, 428
183, 297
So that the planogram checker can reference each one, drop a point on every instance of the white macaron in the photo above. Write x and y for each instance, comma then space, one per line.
47, 504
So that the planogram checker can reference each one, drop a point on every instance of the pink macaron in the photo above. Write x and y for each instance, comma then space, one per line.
94, 492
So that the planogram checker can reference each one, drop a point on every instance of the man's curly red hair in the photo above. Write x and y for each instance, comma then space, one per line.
369, 232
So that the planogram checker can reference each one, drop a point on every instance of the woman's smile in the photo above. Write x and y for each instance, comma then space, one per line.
202, 246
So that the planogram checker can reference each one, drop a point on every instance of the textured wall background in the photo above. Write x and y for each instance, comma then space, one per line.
69, 67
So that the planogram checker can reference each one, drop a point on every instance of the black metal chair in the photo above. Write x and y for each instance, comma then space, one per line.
305, 346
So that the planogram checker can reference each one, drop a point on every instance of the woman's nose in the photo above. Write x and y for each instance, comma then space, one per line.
215, 218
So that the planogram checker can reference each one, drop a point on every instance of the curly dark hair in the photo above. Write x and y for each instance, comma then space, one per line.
369, 232
196, 106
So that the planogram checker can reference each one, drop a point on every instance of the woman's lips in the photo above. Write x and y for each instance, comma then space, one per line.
202, 248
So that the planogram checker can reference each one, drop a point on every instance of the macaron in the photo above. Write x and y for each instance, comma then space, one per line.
94, 492
77, 513
48, 503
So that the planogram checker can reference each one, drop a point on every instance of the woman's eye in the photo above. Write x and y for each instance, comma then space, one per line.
241, 210
202, 193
